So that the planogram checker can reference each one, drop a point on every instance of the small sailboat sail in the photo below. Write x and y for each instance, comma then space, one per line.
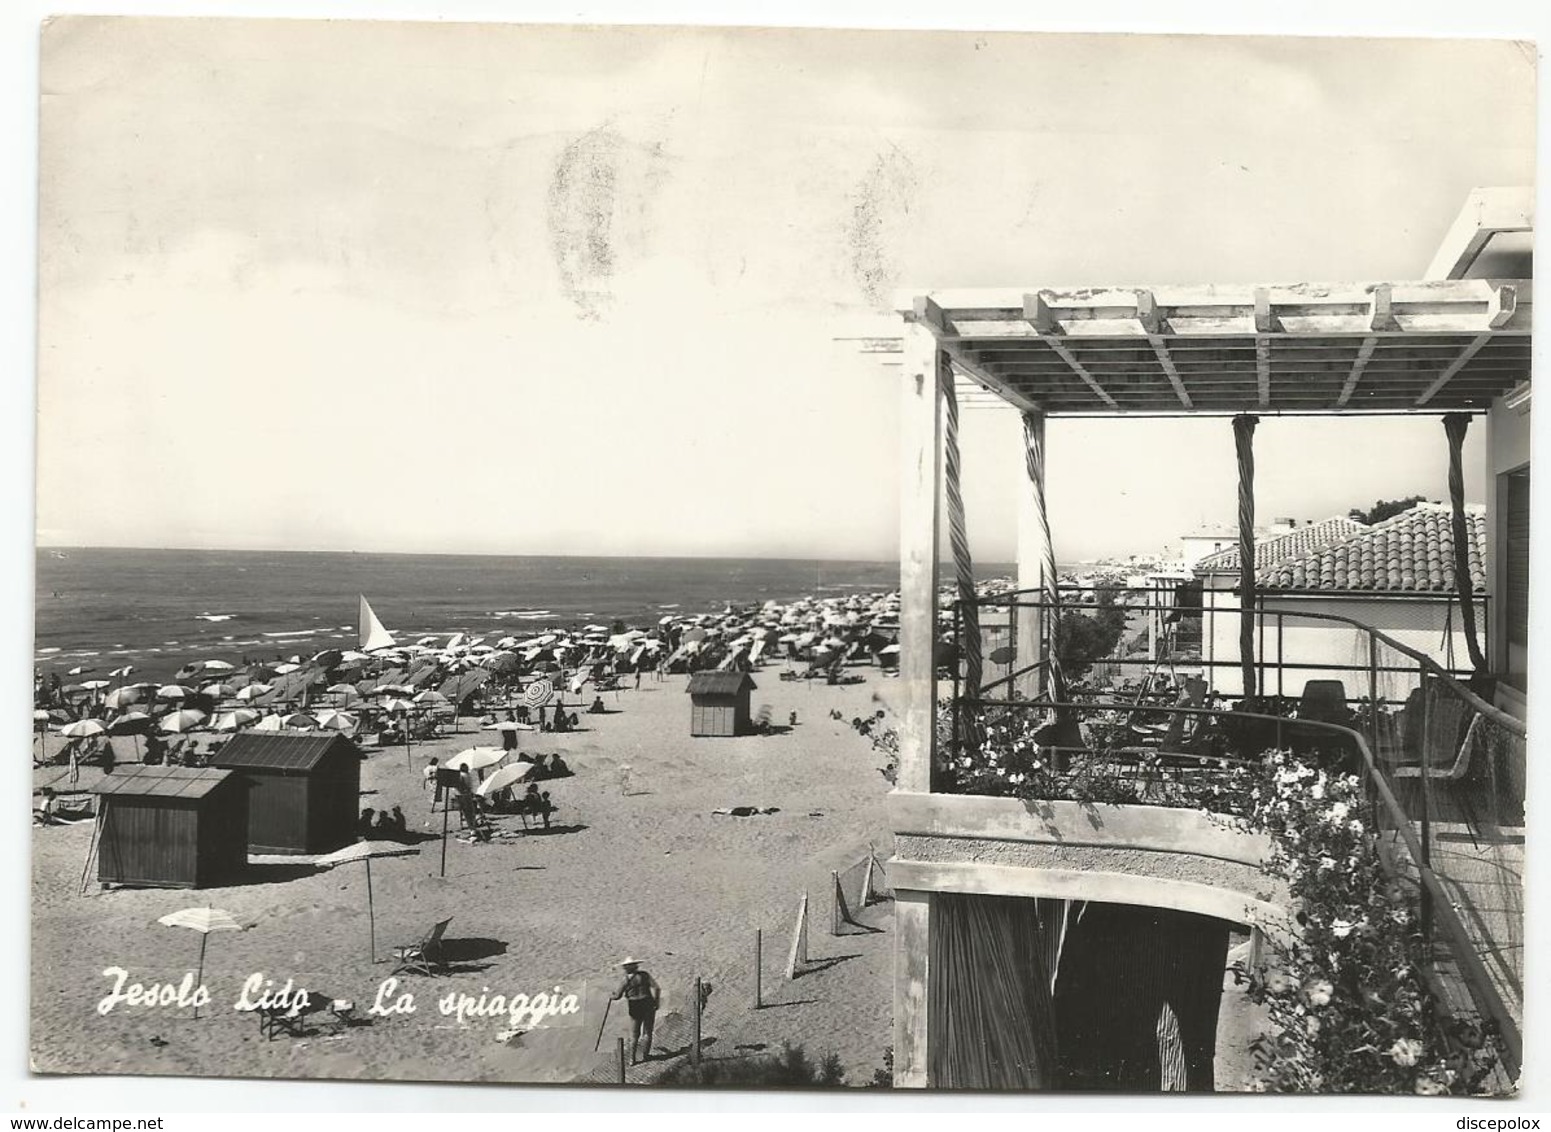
373, 635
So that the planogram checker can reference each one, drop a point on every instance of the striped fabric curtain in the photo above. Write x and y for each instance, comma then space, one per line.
989, 1009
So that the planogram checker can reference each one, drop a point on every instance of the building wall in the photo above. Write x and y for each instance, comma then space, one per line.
149, 841
1182, 862
1507, 450
1305, 646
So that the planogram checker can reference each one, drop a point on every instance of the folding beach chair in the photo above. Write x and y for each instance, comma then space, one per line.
425, 957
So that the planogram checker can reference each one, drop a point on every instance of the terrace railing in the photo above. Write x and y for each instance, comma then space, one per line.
1442, 767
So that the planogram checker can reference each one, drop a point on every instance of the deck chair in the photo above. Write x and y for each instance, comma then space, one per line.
425, 957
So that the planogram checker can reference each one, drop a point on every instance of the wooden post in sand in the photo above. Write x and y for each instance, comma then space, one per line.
799, 955
759, 957
694, 1053
619, 1057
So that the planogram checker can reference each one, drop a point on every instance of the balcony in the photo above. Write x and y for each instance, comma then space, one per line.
1132, 789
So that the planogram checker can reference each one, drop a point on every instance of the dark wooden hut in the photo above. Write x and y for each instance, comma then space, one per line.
719, 703
304, 789
171, 827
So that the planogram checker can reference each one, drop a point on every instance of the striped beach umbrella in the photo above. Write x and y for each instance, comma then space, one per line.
204, 921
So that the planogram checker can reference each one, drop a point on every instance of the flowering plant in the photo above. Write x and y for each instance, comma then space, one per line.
1348, 1007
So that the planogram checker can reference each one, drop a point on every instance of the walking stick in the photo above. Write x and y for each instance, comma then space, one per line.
599, 1039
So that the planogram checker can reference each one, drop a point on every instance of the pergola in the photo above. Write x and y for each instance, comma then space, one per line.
1447, 346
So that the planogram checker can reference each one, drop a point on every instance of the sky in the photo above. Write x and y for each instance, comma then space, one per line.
495, 289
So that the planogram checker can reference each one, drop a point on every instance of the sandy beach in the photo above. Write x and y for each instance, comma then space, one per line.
651, 873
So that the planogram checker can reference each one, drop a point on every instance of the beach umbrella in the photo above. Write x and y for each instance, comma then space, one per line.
216, 690
251, 692
80, 669
270, 723
396, 704
353, 656
331, 720
431, 696
538, 693
95, 685
232, 720
120, 673
392, 690
298, 720
365, 851
218, 666
83, 728
204, 921
328, 658
475, 758
121, 697
185, 720
504, 777
289, 666
129, 722
174, 692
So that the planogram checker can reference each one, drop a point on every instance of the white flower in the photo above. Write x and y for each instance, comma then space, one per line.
1317, 791
1318, 992
1327, 863
1337, 813
1405, 1051
1355, 826
1311, 1025
1342, 928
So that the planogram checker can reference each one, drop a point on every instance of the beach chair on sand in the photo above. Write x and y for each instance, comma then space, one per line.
425, 957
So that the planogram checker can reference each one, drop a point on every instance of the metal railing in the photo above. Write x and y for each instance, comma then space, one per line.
1183, 627
1444, 770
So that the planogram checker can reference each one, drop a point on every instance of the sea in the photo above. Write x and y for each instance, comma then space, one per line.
101, 608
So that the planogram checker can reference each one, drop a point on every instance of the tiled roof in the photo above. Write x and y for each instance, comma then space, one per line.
1291, 544
1413, 552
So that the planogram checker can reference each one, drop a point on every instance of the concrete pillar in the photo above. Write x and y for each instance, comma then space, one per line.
920, 476
1033, 550
912, 957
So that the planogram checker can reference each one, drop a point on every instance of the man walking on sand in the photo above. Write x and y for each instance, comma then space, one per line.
642, 996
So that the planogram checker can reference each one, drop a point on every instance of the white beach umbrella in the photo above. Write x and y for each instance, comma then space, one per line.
218, 666
506, 776
365, 851
174, 692
82, 728
204, 921
185, 720
250, 692
80, 669
121, 697
331, 720
289, 666
216, 690
475, 758
270, 723
232, 720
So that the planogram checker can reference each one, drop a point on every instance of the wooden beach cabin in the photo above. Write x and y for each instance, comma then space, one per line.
719, 703
304, 789
171, 827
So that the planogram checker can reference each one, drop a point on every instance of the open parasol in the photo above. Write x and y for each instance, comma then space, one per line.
204, 921
365, 851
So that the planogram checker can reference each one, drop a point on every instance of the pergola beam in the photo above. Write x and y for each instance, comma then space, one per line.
1155, 326
927, 313
1454, 367
1038, 315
